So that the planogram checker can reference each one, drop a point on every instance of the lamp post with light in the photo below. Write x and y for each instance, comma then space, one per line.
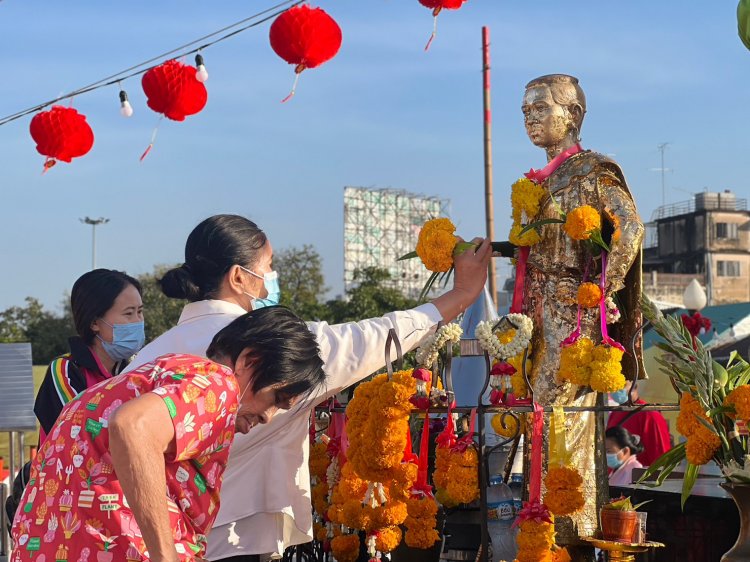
94, 223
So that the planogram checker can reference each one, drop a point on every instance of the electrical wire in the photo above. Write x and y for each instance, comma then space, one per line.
181, 51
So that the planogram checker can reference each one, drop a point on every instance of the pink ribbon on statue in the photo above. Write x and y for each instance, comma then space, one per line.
539, 176
603, 307
533, 511
517, 304
535, 473
467, 440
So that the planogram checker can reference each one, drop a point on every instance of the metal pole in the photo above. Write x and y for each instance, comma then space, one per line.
488, 202
93, 246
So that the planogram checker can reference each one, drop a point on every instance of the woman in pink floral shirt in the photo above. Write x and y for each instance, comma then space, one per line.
132, 468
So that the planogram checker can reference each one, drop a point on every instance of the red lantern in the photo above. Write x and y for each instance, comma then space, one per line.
172, 89
61, 133
306, 37
436, 6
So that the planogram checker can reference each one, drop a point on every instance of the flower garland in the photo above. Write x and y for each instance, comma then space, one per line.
702, 443
613, 312
427, 353
436, 244
564, 495
489, 341
537, 534
421, 522
525, 199
456, 475
345, 548
597, 366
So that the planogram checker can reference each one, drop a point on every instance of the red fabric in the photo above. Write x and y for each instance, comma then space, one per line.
173, 89
61, 133
440, 4
305, 36
652, 428
74, 507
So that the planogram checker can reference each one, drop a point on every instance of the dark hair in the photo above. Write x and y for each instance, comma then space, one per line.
284, 350
215, 245
624, 438
93, 295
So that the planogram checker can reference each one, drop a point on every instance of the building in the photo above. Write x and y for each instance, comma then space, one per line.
380, 226
708, 239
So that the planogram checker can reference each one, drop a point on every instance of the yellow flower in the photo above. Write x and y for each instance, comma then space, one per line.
575, 360
535, 541
739, 399
564, 495
528, 238
562, 477
525, 199
606, 369
589, 295
436, 244
581, 221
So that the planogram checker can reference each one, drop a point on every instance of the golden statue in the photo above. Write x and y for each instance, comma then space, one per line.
554, 107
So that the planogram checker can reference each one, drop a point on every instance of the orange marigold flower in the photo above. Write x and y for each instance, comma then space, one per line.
701, 447
564, 502
589, 295
581, 221
615, 222
739, 399
421, 537
345, 548
690, 411
562, 477
387, 538
436, 243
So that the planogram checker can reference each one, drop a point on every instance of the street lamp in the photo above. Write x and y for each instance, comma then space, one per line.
694, 298
94, 223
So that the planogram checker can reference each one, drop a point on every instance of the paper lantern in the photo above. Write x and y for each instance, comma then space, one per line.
305, 37
173, 89
436, 6
61, 133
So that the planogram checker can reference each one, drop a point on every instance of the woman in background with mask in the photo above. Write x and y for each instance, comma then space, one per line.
622, 448
227, 272
108, 316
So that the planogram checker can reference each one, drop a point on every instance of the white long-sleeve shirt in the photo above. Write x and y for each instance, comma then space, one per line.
265, 496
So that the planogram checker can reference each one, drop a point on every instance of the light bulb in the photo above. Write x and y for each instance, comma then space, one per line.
126, 110
201, 74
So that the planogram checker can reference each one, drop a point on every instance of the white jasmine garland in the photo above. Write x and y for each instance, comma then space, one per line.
489, 341
613, 313
427, 353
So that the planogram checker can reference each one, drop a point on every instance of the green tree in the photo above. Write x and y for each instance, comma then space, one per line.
371, 297
159, 311
301, 281
48, 332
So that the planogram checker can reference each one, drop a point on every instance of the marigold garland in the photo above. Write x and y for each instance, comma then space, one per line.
581, 222
575, 360
345, 548
421, 522
436, 244
535, 541
739, 399
564, 495
456, 476
525, 199
589, 295
597, 366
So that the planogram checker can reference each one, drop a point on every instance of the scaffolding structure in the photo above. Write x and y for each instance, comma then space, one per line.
381, 225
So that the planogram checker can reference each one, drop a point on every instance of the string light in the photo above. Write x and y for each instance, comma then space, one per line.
126, 110
181, 51
201, 75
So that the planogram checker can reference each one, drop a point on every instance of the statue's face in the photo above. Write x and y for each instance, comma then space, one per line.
547, 122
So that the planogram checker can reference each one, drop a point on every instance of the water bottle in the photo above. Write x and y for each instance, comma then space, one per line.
500, 517
516, 487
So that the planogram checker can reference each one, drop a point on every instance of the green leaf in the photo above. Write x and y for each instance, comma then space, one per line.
691, 475
596, 238
663, 466
539, 223
410, 255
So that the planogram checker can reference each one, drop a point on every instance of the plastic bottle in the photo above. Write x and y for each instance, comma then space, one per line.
516, 487
500, 517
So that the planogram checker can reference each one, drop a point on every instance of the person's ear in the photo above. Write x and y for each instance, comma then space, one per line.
235, 279
576, 112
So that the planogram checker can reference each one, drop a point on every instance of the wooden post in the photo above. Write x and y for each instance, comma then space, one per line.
488, 202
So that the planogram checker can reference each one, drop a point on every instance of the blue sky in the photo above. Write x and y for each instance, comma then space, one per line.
383, 113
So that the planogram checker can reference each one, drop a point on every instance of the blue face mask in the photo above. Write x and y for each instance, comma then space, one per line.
621, 396
127, 340
613, 462
271, 283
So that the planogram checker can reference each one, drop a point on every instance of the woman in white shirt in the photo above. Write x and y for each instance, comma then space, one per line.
622, 448
265, 500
